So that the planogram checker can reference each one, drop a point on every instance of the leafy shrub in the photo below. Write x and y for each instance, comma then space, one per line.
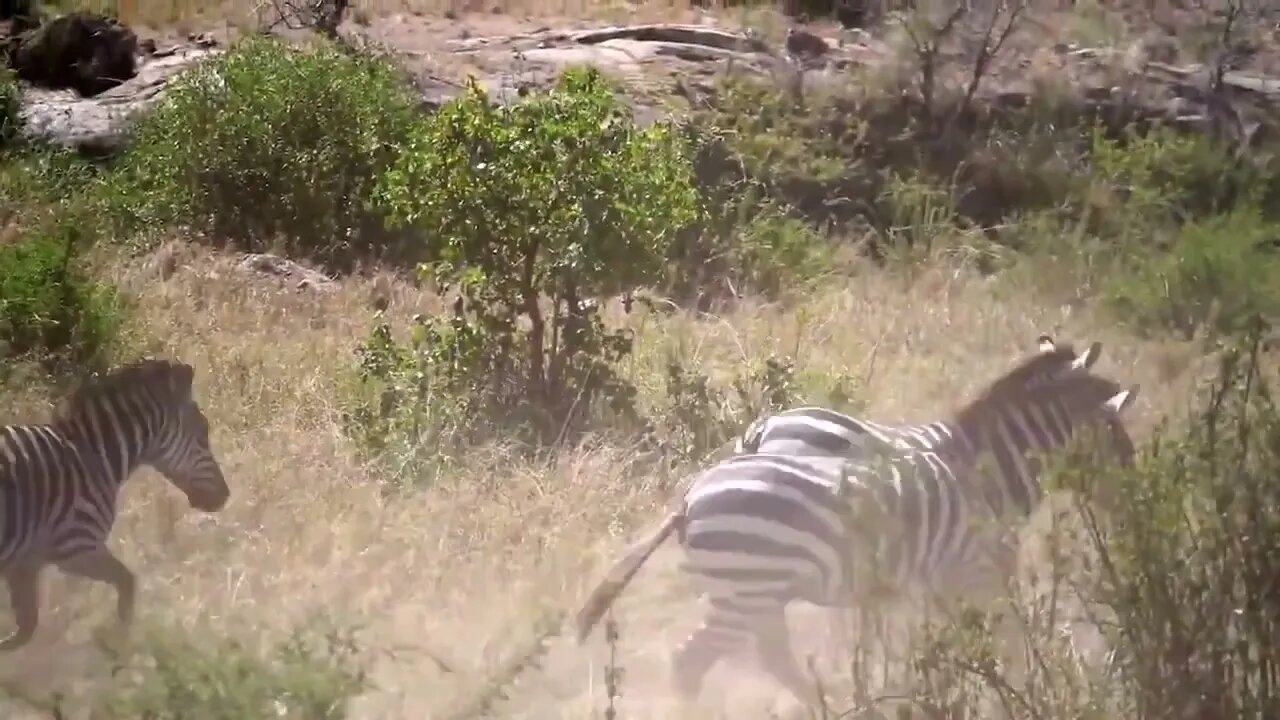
696, 416
1190, 561
1216, 274
746, 244
270, 141
48, 307
749, 136
1165, 176
537, 211
180, 677
10, 104
38, 174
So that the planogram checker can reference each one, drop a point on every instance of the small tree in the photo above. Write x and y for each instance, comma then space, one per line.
538, 211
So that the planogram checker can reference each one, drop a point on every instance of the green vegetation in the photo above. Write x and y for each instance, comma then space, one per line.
267, 145
49, 308
10, 97
553, 233
307, 677
537, 212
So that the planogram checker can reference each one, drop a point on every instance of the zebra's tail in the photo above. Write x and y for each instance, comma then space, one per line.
623, 570
749, 441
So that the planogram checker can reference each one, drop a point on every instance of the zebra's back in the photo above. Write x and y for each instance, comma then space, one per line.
813, 430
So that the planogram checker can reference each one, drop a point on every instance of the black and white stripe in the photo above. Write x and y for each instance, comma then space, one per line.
760, 530
59, 482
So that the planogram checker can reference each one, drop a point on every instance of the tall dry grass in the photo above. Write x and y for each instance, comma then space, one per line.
467, 572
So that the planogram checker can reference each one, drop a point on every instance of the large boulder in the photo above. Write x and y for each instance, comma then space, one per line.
10, 9
86, 52
22, 15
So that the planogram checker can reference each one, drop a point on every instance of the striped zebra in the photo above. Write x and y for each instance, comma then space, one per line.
760, 530
813, 430
59, 482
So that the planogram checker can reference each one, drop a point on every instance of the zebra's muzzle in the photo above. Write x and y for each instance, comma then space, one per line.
209, 499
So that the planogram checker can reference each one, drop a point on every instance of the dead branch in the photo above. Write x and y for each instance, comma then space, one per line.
927, 46
987, 51
321, 16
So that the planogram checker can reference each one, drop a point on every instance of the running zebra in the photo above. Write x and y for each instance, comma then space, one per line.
59, 482
813, 430
761, 530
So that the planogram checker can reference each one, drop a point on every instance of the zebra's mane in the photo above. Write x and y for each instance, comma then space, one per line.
126, 378
1015, 386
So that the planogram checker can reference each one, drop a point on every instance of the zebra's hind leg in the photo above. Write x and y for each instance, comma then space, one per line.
773, 645
99, 564
695, 657
24, 595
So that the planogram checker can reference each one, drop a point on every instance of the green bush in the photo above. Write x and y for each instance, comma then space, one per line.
745, 242
180, 677
10, 104
271, 143
34, 174
1190, 555
1216, 275
48, 307
1163, 176
538, 211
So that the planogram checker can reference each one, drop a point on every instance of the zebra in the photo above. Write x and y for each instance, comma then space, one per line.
760, 530
59, 482
813, 430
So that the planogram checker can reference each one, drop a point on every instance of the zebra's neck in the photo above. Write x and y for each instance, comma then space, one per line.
114, 437
999, 447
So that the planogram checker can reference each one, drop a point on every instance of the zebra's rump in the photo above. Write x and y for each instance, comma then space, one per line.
766, 524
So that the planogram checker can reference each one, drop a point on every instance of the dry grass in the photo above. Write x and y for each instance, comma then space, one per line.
466, 570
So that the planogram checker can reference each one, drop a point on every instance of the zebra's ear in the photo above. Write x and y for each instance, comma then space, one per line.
1088, 357
183, 377
1121, 401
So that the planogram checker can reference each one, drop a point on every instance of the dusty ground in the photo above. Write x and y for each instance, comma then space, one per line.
466, 570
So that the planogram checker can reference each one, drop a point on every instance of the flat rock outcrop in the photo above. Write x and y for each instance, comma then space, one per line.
657, 62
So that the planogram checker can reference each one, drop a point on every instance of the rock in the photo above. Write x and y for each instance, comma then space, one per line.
852, 14
21, 14
85, 52
274, 266
100, 125
804, 44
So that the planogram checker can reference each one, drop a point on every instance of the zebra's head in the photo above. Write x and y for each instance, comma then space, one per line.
180, 450
144, 414
1052, 399
1084, 360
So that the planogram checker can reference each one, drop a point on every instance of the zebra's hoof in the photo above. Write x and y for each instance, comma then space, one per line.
15, 641
112, 640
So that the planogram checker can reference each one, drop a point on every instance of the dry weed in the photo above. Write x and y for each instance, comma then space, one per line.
468, 573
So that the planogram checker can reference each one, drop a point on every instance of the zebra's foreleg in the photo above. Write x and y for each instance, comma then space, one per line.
99, 564
24, 595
